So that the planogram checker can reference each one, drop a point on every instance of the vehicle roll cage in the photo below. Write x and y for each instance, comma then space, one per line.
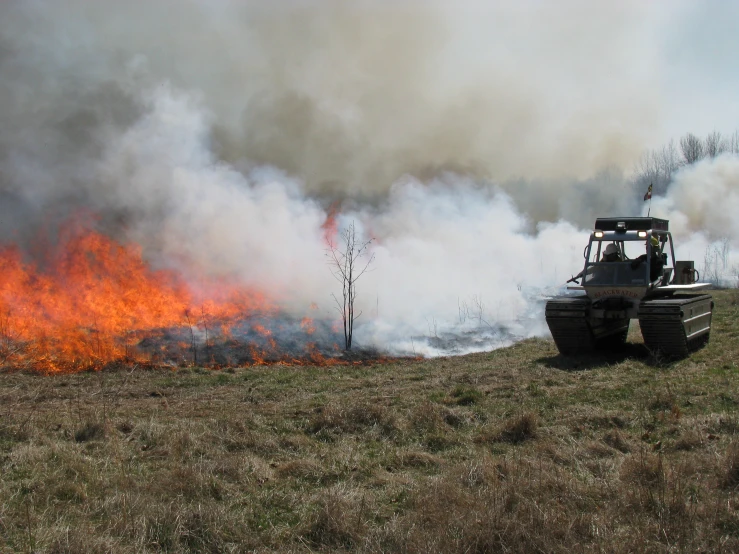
596, 245
620, 237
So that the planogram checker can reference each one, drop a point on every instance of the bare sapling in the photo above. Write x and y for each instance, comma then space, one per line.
349, 258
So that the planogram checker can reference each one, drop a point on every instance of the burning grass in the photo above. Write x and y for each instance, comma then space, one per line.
88, 302
500, 451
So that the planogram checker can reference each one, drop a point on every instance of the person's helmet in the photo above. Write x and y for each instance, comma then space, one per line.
610, 250
654, 240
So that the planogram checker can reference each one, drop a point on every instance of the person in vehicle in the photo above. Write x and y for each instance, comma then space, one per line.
611, 254
656, 262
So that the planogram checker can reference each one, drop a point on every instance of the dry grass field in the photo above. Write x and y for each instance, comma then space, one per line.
516, 450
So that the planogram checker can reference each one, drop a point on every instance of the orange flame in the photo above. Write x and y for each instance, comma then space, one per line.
262, 330
96, 299
331, 225
307, 325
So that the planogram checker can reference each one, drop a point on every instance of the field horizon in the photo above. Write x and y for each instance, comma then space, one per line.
514, 450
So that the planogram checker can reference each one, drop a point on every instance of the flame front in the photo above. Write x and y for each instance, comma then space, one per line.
95, 300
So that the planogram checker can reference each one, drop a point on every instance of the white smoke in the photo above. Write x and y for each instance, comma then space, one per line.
703, 198
438, 244
451, 252
259, 227
700, 204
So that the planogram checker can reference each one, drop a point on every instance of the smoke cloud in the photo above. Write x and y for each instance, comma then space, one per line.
703, 198
471, 141
700, 203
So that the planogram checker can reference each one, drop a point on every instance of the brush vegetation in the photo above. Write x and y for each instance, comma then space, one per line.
516, 450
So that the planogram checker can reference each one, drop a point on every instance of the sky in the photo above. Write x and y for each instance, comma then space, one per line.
699, 85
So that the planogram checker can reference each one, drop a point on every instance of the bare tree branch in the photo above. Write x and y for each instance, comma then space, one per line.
348, 260
715, 144
692, 148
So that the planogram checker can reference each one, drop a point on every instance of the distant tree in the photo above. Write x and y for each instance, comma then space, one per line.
692, 148
733, 143
647, 170
669, 161
656, 167
715, 144
349, 260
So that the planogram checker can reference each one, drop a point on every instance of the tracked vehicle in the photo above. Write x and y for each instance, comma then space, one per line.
644, 283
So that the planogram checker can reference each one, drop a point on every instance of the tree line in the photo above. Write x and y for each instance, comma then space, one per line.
656, 167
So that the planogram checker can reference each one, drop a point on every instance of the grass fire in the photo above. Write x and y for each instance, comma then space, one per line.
90, 301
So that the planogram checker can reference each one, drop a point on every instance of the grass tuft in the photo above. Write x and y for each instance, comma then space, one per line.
731, 472
645, 470
353, 419
415, 459
428, 417
514, 430
465, 395
616, 439
337, 522
302, 469
688, 440
518, 429
90, 431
